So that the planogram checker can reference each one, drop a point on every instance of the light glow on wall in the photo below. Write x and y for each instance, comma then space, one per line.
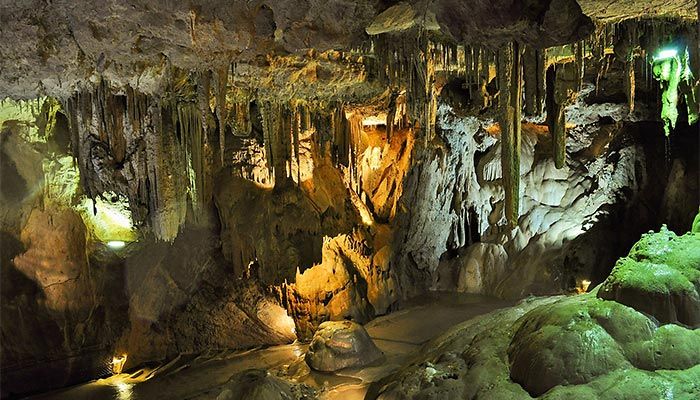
582, 286
118, 363
111, 223
116, 244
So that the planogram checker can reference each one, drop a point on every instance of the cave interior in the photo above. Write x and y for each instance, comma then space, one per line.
349, 199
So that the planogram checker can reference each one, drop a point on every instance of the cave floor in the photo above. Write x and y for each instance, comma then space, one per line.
398, 335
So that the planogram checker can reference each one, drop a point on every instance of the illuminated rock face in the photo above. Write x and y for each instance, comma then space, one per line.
457, 190
59, 305
56, 258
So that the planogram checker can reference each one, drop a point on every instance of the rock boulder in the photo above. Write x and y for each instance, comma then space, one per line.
660, 277
341, 344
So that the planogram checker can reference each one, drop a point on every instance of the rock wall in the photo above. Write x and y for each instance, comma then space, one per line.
567, 225
70, 302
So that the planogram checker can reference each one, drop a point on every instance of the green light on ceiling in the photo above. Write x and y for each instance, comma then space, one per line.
666, 54
676, 79
33, 119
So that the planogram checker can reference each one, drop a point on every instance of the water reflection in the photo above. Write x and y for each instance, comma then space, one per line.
124, 391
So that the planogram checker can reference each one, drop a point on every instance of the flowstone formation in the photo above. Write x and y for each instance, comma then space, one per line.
661, 277
581, 346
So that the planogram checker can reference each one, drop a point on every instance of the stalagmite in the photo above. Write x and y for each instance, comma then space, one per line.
510, 84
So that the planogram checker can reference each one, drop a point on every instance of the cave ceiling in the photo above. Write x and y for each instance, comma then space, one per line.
55, 47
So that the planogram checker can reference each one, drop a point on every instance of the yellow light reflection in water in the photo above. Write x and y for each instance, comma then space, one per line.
124, 391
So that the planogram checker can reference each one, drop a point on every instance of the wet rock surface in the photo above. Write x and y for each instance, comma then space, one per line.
256, 384
559, 347
341, 344
660, 277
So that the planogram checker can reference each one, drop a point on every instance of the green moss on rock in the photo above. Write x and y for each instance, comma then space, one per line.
579, 347
562, 344
660, 276
635, 385
577, 340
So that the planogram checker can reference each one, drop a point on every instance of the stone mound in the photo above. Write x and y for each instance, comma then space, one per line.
341, 344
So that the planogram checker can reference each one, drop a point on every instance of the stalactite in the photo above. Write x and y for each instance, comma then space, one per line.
483, 78
355, 136
429, 116
72, 112
599, 56
340, 136
409, 62
147, 151
579, 49
510, 84
221, 88
276, 139
190, 122
266, 120
242, 122
203, 95
555, 119
391, 115
533, 65
296, 128
286, 137
562, 84
625, 49
629, 83
306, 117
